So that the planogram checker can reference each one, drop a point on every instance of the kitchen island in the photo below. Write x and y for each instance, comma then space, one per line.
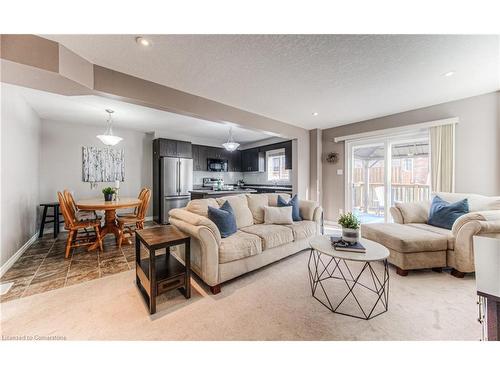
208, 193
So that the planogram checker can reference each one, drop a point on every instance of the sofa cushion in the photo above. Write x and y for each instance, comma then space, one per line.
224, 218
476, 202
404, 238
200, 206
414, 212
294, 203
242, 213
256, 204
271, 235
307, 209
239, 245
273, 198
303, 229
445, 232
443, 214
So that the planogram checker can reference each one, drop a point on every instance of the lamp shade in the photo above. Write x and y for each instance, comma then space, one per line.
109, 140
230, 145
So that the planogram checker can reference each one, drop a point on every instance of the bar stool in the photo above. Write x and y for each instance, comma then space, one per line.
54, 217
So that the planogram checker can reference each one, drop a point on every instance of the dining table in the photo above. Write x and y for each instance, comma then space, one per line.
109, 207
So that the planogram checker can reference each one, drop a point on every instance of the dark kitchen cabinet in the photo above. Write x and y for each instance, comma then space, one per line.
173, 148
184, 149
288, 154
252, 160
235, 161
195, 150
168, 147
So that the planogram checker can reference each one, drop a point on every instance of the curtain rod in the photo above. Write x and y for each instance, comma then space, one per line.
422, 125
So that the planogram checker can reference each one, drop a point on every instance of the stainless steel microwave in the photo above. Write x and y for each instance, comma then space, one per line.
217, 165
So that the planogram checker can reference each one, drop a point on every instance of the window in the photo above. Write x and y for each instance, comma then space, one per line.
275, 160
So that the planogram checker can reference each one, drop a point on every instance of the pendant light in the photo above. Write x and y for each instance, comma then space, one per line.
231, 145
108, 138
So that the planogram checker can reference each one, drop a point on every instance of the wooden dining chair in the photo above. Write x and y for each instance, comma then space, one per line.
134, 213
80, 214
74, 226
129, 223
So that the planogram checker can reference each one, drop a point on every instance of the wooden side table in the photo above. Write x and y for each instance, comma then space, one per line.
158, 274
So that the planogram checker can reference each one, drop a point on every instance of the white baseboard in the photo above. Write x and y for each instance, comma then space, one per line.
17, 255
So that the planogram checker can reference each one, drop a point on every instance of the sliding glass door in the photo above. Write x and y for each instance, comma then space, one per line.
368, 182
386, 170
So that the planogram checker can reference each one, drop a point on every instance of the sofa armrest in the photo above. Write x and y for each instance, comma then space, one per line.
195, 220
204, 250
307, 209
481, 216
396, 215
464, 231
318, 215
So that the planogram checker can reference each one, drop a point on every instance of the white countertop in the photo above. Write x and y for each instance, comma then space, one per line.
219, 192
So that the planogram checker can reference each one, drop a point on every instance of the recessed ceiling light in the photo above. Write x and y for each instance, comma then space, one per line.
449, 74
142, 41
315, 113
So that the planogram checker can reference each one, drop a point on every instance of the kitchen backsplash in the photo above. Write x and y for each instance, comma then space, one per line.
259, 178
229, 177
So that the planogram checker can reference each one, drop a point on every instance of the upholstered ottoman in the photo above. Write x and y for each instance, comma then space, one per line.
411, 246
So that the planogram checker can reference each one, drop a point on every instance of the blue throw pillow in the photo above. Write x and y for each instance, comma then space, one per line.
443, 214
224, 219
294, 203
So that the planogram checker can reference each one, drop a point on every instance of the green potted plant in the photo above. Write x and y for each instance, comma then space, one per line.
350, 227
108, 193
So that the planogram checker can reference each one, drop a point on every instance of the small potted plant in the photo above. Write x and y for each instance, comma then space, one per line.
108, 193
350, 227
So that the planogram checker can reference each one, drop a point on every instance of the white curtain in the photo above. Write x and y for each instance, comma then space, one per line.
443, 158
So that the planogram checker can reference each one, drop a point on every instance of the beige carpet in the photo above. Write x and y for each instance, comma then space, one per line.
273, 303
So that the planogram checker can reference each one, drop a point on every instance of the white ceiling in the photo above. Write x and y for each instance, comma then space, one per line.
345, 78
90, 110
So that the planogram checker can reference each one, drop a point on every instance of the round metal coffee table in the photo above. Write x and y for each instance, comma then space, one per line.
339, 286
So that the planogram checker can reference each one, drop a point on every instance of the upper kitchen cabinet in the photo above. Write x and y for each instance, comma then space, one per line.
195, 149
233, 160
184, 149
252, 160
173, 148
288, 154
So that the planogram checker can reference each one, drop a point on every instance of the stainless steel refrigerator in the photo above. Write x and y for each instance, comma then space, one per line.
176, 180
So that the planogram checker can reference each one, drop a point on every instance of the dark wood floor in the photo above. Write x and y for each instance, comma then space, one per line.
43, 267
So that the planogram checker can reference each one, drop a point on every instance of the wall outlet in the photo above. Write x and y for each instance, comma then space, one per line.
340, 172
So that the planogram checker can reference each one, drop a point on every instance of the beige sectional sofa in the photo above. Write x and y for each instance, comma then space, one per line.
254, 245
414, 244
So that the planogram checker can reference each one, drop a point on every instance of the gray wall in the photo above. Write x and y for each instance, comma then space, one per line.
477, 146
20, 140
61, 160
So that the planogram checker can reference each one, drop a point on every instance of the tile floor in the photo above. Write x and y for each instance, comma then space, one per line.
43, 267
